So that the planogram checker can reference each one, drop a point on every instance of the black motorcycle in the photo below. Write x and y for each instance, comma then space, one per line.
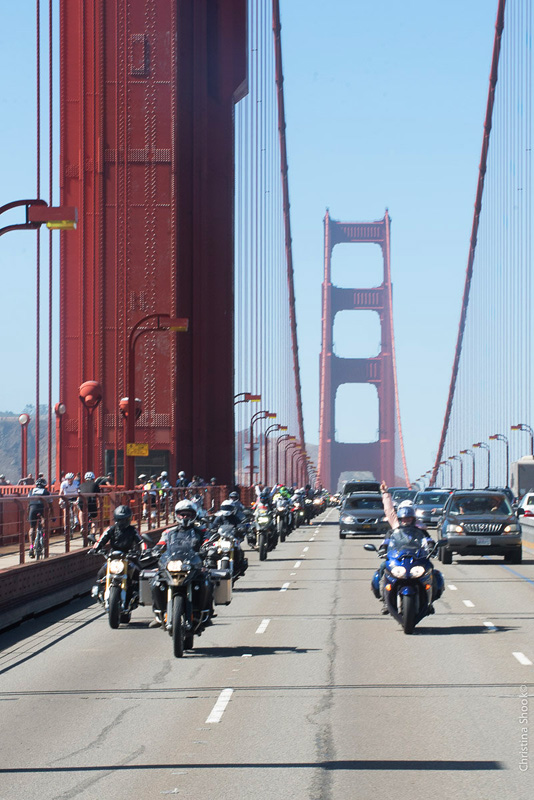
262, 536
223, 550
183, 590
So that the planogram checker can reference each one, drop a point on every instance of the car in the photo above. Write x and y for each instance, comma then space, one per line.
527, 504
361, 486
479, 523
400, 493
362, 512
429, 505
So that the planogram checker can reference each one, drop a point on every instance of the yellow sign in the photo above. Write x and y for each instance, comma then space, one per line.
62, 225
136, 449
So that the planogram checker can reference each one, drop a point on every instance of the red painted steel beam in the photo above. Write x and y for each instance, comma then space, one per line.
499, 26
147, 95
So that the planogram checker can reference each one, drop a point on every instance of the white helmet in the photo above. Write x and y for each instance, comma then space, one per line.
406, 504
181, 474
69, 476
89, 476
163, 475
187, 511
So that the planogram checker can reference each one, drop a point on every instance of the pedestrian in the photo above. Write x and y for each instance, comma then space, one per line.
181, 480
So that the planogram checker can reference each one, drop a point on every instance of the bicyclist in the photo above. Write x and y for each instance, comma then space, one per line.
36, 509
68, 492
89, 487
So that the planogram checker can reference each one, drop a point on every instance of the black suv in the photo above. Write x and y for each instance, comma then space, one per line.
480, 523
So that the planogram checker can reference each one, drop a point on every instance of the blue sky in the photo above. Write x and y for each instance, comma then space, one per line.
385, 105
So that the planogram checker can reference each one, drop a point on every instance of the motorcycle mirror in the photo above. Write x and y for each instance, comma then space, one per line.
92, 538
146, 539
369, 546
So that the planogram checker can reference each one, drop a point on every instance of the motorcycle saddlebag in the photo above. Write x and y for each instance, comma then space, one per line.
146, 577
222, 586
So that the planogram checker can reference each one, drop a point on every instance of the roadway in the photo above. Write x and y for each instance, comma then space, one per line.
300, 689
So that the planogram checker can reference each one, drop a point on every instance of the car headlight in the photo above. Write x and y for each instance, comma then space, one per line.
417, 572
175, 566
419, 512
398, 572
448, 529
116, 567
347, 519
514, 527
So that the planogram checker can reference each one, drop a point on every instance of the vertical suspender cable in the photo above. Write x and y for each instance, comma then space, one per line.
499, 25
38, 262
50, 250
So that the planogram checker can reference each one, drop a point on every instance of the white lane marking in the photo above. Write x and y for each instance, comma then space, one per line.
305, 549
263, 626
521, 657
297, 564
246, 655
310, 540
468, 603
490, 625
220, 706
285, 587
292, 573
451, 587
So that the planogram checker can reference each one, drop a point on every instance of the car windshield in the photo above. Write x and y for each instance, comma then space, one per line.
402, 494
530, 500
483, 504
360, 503
431, 499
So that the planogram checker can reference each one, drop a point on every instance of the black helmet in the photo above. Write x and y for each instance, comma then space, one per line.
233, 496
122, 516
265, 494
40, 482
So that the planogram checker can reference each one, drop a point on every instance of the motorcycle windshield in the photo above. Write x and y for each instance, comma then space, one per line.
181, 545
404, 543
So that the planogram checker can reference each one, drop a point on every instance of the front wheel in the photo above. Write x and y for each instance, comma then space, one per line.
262, 546
114, 606
178, 633
408, 612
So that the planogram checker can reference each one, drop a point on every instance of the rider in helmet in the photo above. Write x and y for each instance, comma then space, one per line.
36, 508
122, 535
91, 488
227, 513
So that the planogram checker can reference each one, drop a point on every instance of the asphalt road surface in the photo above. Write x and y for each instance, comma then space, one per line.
301, 689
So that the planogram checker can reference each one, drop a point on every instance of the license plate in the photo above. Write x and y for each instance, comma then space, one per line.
483, 540
366, 527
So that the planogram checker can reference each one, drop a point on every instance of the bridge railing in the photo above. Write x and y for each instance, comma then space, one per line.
59, 538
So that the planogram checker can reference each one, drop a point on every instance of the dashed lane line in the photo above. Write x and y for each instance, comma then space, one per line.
263, 626
521, 657
285, 587
468, 603
220, 706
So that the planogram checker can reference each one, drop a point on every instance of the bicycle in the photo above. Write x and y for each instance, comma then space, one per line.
38, 544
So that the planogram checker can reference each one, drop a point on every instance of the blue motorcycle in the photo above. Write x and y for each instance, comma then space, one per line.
407, 582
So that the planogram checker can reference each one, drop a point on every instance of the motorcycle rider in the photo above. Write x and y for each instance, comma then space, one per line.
121, 536
228, 515
406, 531
186, 516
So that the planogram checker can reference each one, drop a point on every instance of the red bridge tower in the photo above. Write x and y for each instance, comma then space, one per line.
377, 457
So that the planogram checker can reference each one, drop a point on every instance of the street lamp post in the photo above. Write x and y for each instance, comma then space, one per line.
59, 410
246, 397
263, 414
296, 452
284, 438
164, 322
286, 471
522, 427
500, 437
449, 465
469, 452
24, 420
457, 458
90, 394
486, 447
275, 427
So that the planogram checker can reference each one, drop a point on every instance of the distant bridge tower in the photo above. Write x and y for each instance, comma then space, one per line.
377, 457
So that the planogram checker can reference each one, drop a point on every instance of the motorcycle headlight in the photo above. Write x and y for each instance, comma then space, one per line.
264, 518
175, 566
398, 572
417, 572
512, 528
226, 546
317, 502
346, 518
116, 567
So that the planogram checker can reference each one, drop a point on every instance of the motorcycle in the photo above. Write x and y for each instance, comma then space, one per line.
187, 588
223, 551
282, 518
118, 591
298, 509
409, 583
262, 536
